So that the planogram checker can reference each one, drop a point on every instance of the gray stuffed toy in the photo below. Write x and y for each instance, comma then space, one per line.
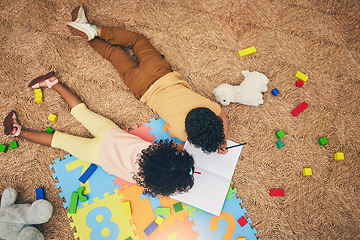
15, 219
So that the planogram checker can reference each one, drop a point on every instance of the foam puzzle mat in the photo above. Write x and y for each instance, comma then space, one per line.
103, 216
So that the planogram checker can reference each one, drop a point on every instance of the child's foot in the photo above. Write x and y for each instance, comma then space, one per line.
78, 15
47, 80
11, 125
84, 30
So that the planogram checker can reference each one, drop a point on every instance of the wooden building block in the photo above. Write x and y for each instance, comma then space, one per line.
280, 134
322, 141
14, 144
82, 197
279, 144
73, 202
49, 130
339, 156
277, 192
247, 51
52, 118
159, 220
275, 91
299, 109
3, 148
162, 211
150, 228
127, 208
40, 194
86, 175
242, 221
307, 172
178, 207
301, 76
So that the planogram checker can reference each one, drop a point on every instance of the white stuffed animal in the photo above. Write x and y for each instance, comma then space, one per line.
15, 219
249, 92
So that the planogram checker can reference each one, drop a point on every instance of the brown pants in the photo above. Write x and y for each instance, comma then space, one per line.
138, 76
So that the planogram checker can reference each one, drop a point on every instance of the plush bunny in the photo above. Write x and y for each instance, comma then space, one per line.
249, 92
15, 219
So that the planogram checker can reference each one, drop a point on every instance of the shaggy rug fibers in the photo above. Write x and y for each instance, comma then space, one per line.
200, 39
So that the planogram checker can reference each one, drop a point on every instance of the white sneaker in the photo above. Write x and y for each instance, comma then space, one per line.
83, 30
78, 15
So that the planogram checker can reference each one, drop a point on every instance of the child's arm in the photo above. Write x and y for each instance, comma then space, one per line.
222, 115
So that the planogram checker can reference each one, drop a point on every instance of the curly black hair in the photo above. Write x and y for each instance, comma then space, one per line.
164, 169
204, 129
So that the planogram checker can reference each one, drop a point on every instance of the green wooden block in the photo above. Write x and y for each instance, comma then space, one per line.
73, 202
162, 211
129, 238
178, 207
3, 148
14, 144
49, 130
279, 144
82, 197
280, 134
322, 141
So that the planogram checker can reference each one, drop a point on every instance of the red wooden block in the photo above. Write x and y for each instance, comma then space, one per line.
299, 109
277, 192
242, 221
299, 83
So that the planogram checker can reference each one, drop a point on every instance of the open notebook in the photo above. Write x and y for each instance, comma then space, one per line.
211, 186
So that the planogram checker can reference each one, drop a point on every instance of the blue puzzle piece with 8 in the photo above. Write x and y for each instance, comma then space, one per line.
157, 130
69, 170
225, 226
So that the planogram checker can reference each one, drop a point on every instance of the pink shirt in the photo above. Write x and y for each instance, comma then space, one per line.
118, 153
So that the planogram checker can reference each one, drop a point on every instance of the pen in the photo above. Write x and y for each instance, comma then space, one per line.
241, 144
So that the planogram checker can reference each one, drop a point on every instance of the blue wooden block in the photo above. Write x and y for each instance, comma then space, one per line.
150, 228
40, 194
91, 169
275, 91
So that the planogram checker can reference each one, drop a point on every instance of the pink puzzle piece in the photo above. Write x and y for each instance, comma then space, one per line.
121, 182
142, 131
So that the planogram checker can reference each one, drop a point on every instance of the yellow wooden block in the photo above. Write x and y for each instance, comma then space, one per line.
240, 238
307, 171
127, 208
38, 99
339, 156
52, 118
159, 220
301, 76
247, 51
38, 92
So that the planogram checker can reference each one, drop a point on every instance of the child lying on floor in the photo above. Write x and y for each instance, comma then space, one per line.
160, 168
188, 115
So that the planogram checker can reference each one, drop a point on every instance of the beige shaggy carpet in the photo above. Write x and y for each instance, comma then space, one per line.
200, 39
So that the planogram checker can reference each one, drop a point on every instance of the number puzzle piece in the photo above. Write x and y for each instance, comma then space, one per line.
225, 226
103, 219
180, 230
68, 171
142, 212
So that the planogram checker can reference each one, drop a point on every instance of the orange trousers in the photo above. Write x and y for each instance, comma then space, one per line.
139, 75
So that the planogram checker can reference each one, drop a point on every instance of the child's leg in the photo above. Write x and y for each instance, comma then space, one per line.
95, 123
137, 76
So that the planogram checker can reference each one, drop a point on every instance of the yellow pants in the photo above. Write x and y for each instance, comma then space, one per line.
86, 149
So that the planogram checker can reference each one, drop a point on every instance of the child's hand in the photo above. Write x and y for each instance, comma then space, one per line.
222, 149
